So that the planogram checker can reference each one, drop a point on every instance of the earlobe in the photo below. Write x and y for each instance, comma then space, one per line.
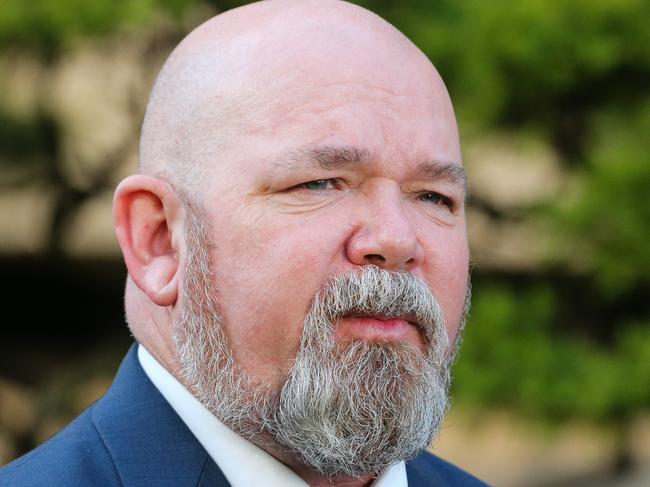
145, 212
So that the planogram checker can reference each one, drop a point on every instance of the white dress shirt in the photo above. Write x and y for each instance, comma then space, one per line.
243, 463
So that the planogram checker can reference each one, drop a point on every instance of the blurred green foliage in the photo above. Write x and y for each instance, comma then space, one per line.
609, 219
515, 355
47, 26
568, 339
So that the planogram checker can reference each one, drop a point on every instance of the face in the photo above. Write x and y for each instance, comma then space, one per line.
335, 177
289, 319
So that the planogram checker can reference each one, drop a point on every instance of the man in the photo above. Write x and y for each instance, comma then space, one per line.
298, 265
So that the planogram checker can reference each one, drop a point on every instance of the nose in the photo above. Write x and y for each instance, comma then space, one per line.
385, 236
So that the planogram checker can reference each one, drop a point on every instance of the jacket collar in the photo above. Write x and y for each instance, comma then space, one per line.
148, 442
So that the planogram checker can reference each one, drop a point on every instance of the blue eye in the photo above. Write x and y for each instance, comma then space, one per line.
431, 197
437, 199
319, 184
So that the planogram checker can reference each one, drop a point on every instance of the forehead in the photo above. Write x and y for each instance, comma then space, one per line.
347, 127
386, 124
382, 97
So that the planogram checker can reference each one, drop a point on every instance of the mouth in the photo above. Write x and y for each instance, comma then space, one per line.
379, 328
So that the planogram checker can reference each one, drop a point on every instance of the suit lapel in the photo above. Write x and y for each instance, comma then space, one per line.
420, 474
212, 476
148, 442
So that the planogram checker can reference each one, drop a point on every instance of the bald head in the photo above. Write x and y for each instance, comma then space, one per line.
245, 71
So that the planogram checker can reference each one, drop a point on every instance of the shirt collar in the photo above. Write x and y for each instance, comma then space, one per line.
242, 463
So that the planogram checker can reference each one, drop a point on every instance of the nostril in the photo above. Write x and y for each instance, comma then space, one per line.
375, 258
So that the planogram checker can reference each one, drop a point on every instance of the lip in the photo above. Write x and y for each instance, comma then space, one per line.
375, 328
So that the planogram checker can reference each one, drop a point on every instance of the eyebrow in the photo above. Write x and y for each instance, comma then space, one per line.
449, 170
333, 157
327, 157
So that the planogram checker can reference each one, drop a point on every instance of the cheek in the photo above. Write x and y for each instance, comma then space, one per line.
267, 273
447, 268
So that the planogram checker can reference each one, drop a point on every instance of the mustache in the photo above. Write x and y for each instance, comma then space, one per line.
373, 291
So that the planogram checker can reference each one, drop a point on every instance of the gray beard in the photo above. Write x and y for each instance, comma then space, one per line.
346, 408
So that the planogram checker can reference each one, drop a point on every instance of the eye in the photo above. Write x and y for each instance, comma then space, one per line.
319, 184
436, 199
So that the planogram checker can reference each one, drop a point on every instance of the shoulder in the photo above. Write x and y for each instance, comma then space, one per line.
427, 469
75, 456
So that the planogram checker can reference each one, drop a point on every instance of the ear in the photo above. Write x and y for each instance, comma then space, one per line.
148, 228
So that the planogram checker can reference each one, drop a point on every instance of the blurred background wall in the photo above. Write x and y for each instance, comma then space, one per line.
553, 99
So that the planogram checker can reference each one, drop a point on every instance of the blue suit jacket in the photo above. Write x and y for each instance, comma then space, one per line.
132, 437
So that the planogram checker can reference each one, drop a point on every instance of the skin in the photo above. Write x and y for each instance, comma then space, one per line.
318, 139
